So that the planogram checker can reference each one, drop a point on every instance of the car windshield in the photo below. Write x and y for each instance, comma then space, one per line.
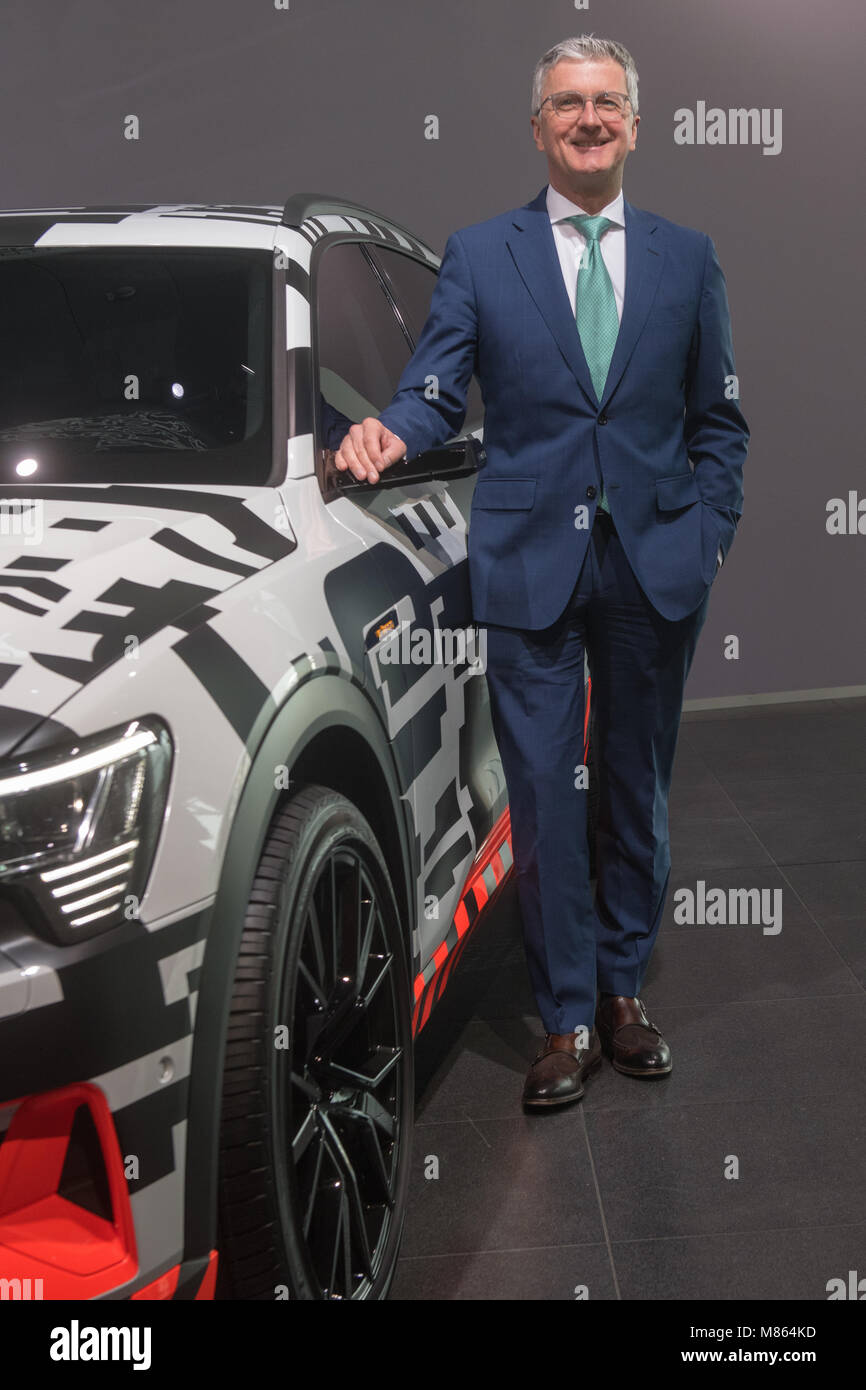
135, 365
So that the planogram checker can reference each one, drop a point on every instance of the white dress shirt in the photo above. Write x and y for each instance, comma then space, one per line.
570, 245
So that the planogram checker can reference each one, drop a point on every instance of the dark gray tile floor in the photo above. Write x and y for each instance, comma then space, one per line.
742, 1175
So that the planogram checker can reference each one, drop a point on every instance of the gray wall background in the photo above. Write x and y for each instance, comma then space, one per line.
240, 101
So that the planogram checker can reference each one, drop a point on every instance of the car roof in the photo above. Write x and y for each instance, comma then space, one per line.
314, 215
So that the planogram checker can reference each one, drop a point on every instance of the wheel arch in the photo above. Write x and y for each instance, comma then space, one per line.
326, 732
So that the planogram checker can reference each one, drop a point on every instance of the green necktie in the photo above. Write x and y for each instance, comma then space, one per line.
595, 312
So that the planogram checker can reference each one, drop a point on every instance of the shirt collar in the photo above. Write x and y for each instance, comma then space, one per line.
559, 207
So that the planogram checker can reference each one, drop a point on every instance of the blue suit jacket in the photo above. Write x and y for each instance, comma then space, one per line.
500, 309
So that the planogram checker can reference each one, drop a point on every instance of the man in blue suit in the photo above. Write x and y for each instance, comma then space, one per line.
611, 493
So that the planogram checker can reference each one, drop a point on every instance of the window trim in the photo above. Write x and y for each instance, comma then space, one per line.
386, 288
279, 377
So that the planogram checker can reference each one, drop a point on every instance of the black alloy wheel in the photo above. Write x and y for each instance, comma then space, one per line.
318, 1089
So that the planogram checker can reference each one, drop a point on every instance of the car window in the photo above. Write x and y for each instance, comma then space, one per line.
362, 349
412, 283
135, 365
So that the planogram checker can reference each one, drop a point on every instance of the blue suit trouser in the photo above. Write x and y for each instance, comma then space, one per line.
638, 663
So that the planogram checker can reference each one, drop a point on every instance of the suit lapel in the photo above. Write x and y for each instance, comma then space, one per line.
534, 251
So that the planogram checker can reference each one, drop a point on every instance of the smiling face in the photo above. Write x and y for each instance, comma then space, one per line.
585, 153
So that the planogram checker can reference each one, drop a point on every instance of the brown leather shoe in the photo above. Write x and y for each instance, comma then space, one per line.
634, 1045
560, 1069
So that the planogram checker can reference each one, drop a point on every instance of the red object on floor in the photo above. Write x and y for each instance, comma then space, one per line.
61, 1248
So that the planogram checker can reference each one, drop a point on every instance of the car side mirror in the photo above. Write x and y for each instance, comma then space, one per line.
455, 459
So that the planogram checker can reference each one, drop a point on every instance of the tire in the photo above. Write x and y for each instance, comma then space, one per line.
318, 1088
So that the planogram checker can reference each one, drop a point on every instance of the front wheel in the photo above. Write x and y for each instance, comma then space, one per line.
318, 1089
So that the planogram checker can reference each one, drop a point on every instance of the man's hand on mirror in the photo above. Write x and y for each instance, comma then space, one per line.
368, 449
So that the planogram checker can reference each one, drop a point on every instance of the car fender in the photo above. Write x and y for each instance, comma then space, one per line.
329, 700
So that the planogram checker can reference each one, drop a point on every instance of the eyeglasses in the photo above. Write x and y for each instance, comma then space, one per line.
611, 106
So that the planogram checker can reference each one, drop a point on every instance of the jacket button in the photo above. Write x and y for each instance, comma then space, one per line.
602, 419
590, 491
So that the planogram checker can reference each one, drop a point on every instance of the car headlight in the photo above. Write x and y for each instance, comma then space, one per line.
79, 826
